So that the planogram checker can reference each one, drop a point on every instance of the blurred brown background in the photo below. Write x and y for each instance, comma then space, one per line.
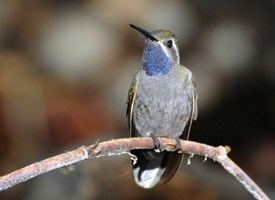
65, 69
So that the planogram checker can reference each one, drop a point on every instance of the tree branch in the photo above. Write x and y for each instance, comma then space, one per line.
123, 146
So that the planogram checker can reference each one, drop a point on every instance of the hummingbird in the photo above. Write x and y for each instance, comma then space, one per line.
162, 102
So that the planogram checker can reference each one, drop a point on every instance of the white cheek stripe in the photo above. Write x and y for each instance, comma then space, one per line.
164, 48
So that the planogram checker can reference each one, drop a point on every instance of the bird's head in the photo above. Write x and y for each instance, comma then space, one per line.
160, 53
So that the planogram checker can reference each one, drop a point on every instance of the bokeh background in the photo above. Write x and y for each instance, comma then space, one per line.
65, 69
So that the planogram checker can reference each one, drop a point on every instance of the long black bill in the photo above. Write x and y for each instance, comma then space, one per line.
145, 33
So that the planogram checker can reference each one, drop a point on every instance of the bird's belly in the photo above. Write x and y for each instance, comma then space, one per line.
162, 110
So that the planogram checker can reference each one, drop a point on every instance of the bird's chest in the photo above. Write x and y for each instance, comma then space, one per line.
162, 105
158, 90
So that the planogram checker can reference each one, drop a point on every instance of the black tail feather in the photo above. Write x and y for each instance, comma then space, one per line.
154, 168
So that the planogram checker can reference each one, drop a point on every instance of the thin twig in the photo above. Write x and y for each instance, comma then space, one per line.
123, 146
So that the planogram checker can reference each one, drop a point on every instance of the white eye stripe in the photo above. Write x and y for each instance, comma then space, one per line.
166, 49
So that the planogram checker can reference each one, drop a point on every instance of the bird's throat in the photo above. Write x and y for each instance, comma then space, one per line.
155, 61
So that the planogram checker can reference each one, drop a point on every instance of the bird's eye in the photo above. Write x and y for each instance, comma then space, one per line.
169, 43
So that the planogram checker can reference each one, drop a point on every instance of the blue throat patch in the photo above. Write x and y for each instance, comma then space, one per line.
154, 60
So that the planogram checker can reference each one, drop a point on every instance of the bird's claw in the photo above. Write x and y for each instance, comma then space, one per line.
157, 146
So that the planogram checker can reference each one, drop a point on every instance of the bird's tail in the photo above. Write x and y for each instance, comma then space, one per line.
152, 168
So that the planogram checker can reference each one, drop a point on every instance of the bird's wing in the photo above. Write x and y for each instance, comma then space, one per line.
194, 112
130, 102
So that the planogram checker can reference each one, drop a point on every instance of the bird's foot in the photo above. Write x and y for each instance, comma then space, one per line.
178, 145
157, 146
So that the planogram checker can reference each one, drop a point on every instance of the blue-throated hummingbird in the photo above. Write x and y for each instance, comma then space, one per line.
162, 102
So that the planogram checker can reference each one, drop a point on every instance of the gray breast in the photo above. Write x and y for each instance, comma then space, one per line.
163, 104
